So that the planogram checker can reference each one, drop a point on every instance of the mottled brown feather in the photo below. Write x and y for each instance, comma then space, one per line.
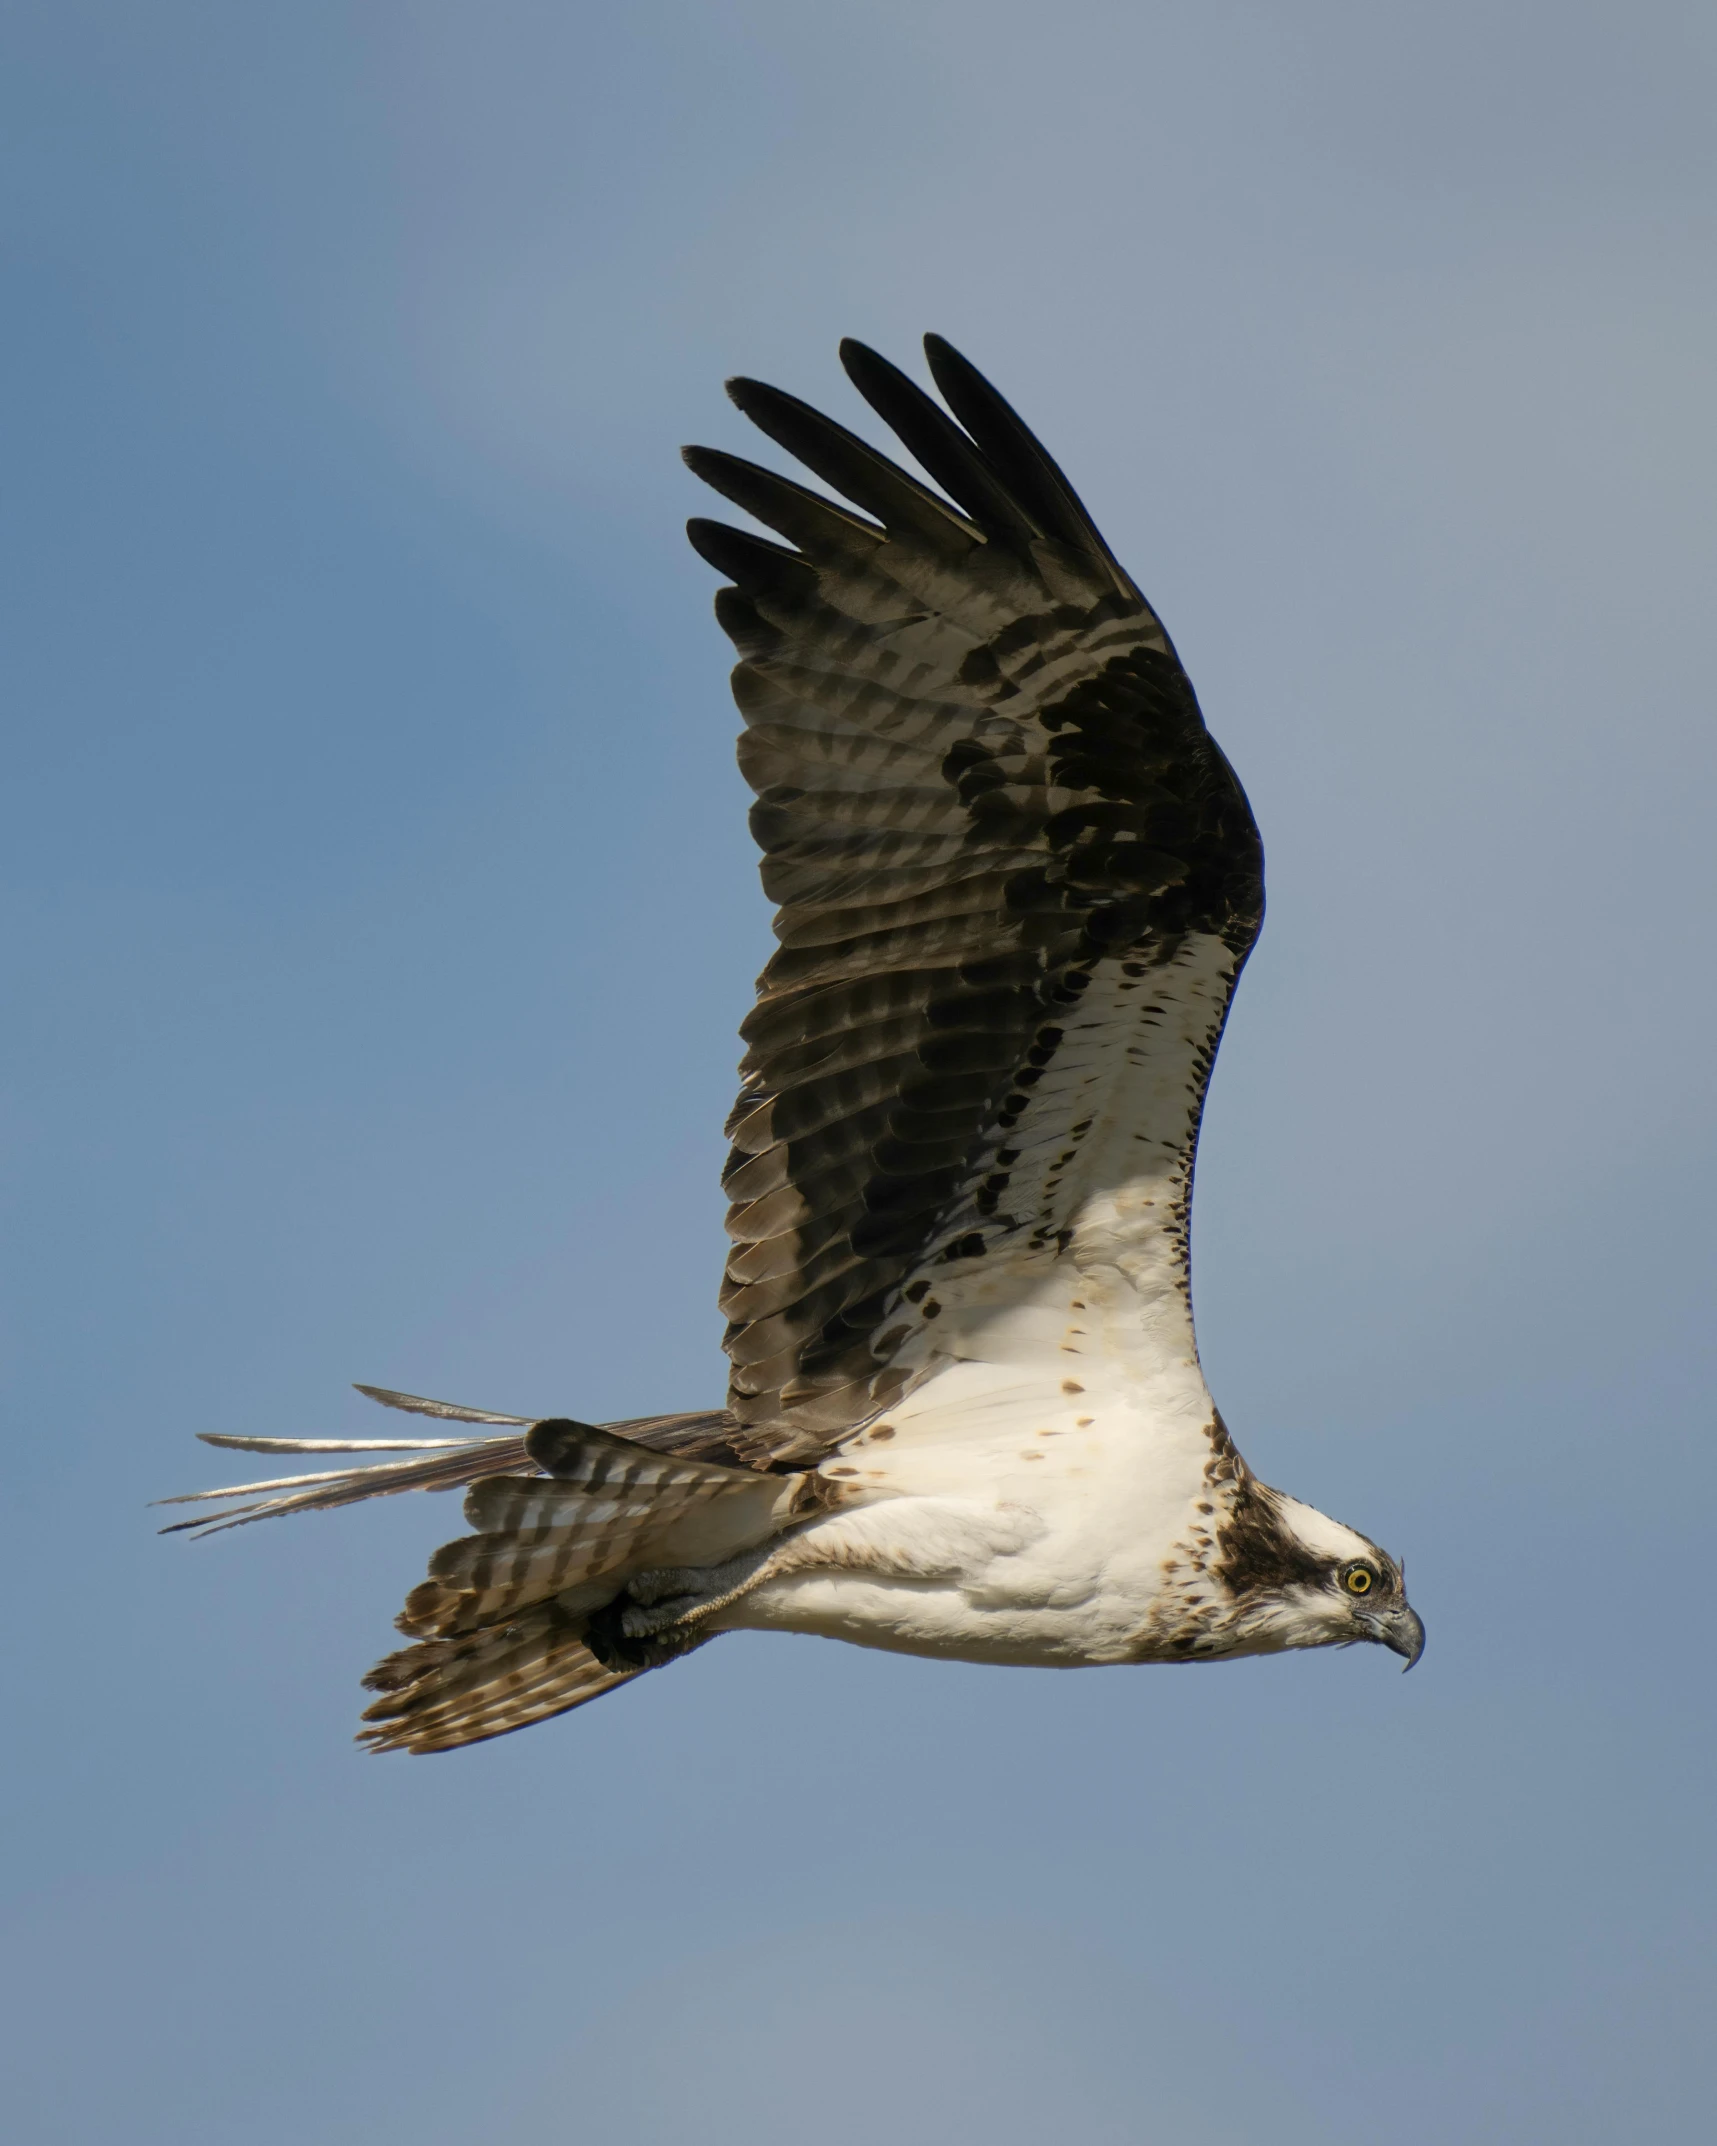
981, 772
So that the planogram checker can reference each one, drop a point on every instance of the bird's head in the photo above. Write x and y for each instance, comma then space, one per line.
1297, 1578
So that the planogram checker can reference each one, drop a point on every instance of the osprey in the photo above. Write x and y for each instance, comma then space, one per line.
1016, 882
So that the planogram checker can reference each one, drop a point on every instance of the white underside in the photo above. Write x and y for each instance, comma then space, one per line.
1004, 1521
1025, 1502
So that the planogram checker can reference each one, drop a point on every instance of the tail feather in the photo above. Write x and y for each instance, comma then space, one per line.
232, 1442
418, 1404
445, 1693
447, 1468
609, 1509
448, 1463
566, 1514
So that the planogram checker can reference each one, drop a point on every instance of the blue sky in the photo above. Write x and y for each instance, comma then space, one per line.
379, 911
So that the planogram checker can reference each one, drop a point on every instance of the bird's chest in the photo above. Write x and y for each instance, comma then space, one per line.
1063, 1568
1069, 1395
1016, 1512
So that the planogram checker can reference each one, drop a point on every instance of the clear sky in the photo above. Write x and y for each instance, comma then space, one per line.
379, 910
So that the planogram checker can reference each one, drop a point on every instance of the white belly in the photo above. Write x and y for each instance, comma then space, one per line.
962, 1620
1036, 1530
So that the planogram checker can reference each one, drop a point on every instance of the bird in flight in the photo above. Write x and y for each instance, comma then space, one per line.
1015, 884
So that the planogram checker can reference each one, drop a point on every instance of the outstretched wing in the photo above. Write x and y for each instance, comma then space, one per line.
1016, 882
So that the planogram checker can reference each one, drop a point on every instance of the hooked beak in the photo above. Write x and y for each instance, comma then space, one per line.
1400, 1631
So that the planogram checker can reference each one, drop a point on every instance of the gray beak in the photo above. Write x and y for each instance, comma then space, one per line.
1401, 1632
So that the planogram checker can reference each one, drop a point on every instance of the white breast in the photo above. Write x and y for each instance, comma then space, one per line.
1018, 1506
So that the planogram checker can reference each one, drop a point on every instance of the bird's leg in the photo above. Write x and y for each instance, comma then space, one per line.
675, 1594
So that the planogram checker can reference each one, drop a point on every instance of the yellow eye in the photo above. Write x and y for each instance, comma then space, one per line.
1359, 1581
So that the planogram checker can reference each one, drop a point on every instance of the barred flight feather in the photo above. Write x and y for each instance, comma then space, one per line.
445, 1693
982, 779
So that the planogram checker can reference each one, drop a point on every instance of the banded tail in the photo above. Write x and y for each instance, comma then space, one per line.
597, 1551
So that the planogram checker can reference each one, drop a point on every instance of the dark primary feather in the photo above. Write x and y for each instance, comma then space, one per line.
1037, 482
937, 444
981, 773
